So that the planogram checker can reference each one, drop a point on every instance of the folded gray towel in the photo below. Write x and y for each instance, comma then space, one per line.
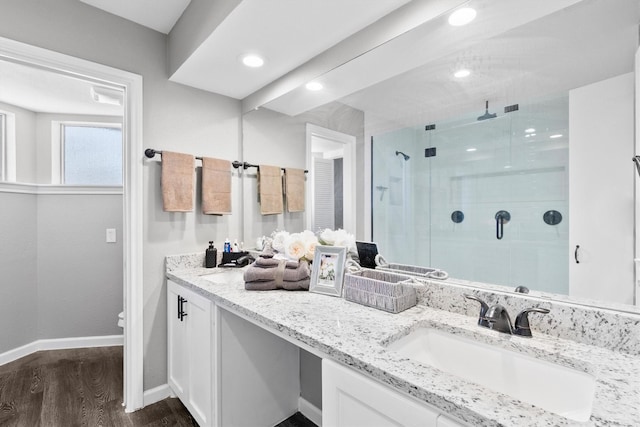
277, 274
280, 271
273, 263
272, 285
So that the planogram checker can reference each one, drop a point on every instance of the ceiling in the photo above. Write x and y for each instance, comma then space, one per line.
549, 44
407, 76
286, 33
579, 45
43, 91
160, 15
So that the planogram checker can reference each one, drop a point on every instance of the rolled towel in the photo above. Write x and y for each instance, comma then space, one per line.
280, 273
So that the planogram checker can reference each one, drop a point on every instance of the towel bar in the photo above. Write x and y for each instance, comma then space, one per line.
151, 153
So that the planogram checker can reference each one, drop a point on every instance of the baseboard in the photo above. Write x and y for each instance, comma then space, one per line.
157, 394
60, 344
310, 411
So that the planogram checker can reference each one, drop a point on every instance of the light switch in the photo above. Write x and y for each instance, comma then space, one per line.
111, 235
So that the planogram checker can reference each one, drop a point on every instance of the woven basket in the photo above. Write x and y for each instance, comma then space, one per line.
413, 270
383, 290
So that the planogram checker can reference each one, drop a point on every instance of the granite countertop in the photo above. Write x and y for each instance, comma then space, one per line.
357, 336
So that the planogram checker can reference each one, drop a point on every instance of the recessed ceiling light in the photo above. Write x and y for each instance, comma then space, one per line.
253, 61
471, 149
527, 136
507, 166
314, 86
557, 135
462, 73
462, 16
530, 130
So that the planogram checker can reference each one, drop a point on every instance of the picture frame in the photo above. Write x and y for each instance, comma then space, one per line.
327, 272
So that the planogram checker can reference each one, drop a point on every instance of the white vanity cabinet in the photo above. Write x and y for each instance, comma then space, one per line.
190, 351
349, 399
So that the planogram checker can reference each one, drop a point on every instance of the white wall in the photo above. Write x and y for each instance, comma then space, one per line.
80, 276
601, 117
280, 140
25, 135
18, 261
175, 118
62, 279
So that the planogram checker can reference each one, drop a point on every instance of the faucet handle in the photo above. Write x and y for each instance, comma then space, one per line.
482, 321
521, 326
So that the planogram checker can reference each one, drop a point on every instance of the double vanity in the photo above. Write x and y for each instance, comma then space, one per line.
234, 357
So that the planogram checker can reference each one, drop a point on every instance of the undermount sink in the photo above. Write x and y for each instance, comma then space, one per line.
555, 388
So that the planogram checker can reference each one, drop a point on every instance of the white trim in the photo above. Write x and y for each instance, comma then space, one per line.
157, 394
15, 187
13, 51
60, 344
310, 411
636, 243
349, 174
9, 148
368, 235
22, 188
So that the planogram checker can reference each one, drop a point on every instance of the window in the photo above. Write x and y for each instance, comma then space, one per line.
91, 154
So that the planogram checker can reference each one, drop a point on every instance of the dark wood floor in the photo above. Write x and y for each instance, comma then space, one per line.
82, 387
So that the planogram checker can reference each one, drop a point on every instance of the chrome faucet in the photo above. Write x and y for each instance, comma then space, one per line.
482, 321
497, 318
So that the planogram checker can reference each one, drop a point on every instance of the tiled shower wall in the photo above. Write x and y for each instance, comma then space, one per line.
480, 168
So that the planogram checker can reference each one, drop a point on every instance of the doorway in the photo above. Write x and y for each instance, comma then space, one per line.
331, 164
131, 87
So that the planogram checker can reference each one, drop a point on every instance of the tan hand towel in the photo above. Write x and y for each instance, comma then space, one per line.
270, 185
177, 181
294, 189
216, 186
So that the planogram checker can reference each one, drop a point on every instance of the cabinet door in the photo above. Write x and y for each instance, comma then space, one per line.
177, 366
350, 399
198, 321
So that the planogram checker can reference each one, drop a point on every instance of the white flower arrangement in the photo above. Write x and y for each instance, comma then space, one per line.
302, 246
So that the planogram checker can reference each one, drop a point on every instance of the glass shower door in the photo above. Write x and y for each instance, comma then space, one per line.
437, 195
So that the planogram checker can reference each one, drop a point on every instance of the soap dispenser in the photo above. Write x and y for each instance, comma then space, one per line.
211, 256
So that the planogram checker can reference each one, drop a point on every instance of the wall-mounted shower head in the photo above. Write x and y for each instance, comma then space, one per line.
406, 157
486, 114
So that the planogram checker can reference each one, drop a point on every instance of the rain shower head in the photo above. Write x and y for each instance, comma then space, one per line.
406, 157
486, 114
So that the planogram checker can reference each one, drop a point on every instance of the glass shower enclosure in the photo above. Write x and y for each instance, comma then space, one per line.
485, 200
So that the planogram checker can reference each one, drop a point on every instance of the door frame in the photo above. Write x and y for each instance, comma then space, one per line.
131, 84
349, 174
